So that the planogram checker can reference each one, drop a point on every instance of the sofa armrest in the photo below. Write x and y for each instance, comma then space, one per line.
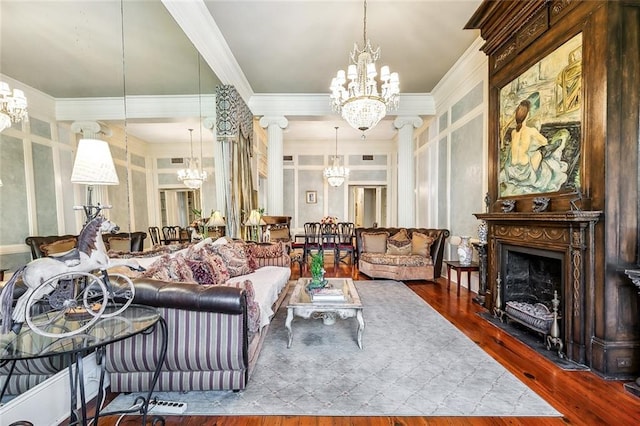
190, 296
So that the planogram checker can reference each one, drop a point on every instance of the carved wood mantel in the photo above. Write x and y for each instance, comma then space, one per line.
570, 233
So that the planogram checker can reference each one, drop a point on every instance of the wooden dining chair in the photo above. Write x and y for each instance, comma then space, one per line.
154, 233
312, 239
171, 234
345, 245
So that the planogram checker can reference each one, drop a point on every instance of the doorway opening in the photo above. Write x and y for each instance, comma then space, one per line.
368, 205
179, 206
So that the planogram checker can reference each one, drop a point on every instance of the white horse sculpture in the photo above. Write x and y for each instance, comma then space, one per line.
90, 255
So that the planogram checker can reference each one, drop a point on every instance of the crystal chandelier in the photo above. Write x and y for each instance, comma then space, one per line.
336, 174
192, 176
360, 103
13, 108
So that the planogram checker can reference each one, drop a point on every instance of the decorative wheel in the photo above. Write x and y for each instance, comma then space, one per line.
121, 291
79, 304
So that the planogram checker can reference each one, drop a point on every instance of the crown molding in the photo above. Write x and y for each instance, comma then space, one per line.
314, 104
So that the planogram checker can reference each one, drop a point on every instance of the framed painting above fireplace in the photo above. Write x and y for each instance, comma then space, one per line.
540, 125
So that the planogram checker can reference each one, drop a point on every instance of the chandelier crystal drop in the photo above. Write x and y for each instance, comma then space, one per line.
360, 102
13, 106
192, 177
336, 174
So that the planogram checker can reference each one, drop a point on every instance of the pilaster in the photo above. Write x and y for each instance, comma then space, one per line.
275, 165
406, 170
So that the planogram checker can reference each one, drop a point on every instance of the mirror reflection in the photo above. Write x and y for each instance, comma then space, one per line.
144, 123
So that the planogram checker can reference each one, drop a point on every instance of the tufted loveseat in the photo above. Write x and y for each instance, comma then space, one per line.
422, 259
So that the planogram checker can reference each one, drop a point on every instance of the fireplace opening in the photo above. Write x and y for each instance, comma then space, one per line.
532, 276
531, 292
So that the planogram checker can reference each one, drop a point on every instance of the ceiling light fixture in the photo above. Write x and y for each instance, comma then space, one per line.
360, 103
192, 176
336, 174
13, 108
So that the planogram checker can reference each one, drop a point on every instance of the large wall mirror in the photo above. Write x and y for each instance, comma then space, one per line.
100, 55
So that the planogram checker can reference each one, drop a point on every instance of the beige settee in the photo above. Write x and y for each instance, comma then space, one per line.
401, 253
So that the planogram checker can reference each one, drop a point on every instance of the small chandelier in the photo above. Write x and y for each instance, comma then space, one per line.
360, 103
336, 174
13, 108
192, 176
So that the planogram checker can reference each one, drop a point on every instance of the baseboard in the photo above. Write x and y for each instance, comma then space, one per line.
50, 401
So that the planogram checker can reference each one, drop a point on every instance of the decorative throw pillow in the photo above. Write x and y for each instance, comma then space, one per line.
421, 244
170, 268
201, 271
374, 242
399, 243
253, 307
119, 244
216, 272
235, 259
59, 246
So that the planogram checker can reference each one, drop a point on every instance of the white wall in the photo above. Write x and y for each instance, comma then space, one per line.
451, 151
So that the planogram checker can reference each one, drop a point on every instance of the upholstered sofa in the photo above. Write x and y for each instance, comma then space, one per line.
212, 343
122, 241
401, 253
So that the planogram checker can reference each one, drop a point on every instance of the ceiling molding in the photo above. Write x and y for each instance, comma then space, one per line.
318, 105
153, 107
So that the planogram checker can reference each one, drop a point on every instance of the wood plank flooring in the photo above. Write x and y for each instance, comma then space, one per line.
583, 397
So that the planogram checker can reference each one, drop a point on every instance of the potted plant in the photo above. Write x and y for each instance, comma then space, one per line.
317, 271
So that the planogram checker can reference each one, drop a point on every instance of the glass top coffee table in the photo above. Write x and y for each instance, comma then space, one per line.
301, 305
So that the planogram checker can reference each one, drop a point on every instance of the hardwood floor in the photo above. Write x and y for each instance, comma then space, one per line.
583, 397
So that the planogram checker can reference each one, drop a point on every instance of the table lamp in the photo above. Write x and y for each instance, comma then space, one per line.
93, 165
216, 221
254, 221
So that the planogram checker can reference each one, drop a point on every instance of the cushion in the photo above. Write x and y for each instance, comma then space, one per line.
374, 242
399, 243
279, 234
395, 259
206, 266
253, 307
170, 268
421, 244
119, 244
59, 246
265, 250
235, 259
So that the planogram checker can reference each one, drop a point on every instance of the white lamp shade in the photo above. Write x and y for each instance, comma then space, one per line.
93, 164
255, 219
216, 219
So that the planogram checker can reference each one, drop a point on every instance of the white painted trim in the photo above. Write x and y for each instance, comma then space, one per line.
48, 403
196, 21
14, 249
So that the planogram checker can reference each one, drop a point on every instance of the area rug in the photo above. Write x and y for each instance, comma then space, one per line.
534, 341
413, 363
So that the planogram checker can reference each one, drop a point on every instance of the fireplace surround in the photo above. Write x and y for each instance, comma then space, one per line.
543, 253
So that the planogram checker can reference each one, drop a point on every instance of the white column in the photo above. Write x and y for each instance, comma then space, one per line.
275, 165
406, 170
218, 165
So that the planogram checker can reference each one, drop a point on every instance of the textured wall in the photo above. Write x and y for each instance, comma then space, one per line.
13, 194
44, 179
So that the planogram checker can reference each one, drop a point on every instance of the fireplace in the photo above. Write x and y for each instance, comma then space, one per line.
532, 256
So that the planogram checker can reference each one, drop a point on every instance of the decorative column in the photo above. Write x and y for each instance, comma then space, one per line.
218, 164
406, 170
275, 165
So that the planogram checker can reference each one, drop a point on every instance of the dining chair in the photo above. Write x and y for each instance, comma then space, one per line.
171, 234
345, 244
329, 239
154, 233
312, 239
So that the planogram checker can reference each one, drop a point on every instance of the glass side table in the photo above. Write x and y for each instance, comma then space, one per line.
133, 320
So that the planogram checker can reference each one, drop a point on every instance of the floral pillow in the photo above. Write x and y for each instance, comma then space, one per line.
235, 259
253, 307
170, 268
399, 243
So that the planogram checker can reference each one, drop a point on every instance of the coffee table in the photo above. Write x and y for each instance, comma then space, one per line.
300, 305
